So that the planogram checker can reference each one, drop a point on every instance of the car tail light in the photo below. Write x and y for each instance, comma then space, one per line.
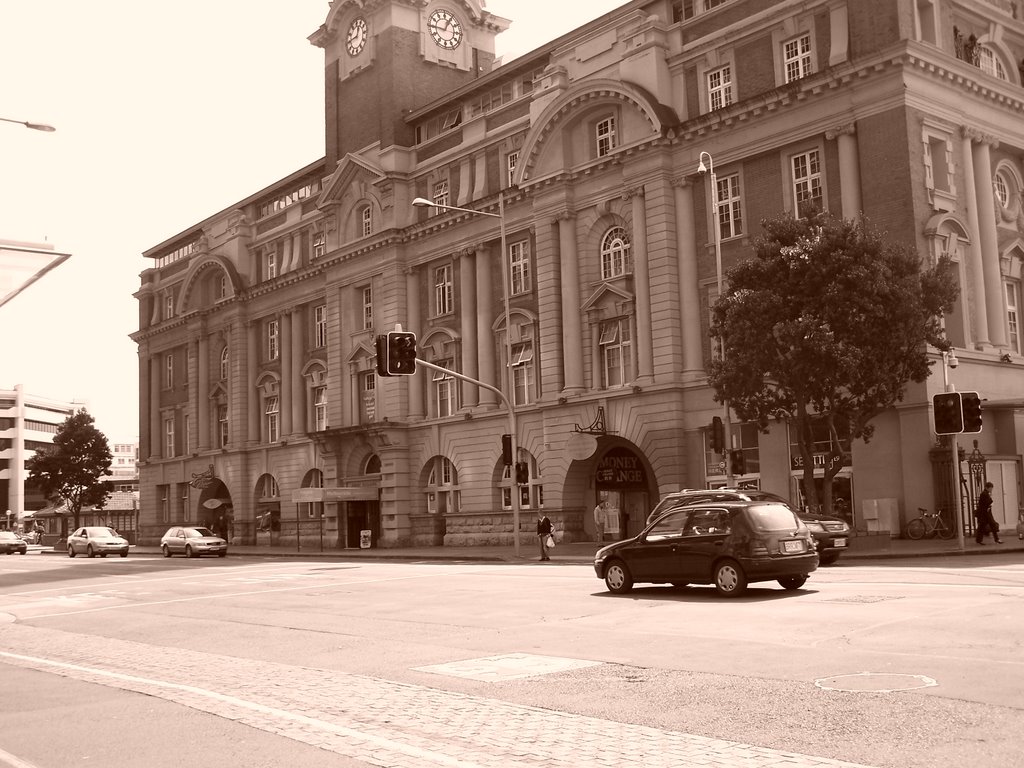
759, 548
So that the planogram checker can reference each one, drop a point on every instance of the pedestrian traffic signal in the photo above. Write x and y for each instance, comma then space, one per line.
522, 473
948, 411
717, 435
970, 404
396, 354
506, 450
737, 462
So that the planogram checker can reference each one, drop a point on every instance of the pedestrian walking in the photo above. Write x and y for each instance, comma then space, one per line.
544, 535
600, 518
986, 522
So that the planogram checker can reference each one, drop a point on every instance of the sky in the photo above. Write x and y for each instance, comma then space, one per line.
165, 113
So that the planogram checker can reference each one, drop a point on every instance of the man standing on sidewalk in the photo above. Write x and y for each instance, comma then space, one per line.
986, 522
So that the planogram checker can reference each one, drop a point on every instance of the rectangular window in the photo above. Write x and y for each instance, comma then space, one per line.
320, 325
445, 390
188, 433
319, 244
164, 492
444, 290
367, 390
511, 160
273, 340
270, 264
1013, 315
319, 409
796, 57
168, 305
605, 135
720, 88
519, 267
272, 411
807, 182
616, 352
168, 437
367, 220
522, 372
730, 213
169, 371
222, 425
441, 193
186, 505
367, 308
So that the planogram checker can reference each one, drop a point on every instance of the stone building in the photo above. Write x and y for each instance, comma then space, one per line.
578, 280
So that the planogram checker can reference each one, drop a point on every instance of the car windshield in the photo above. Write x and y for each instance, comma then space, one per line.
101, 533
773, 517
195, 533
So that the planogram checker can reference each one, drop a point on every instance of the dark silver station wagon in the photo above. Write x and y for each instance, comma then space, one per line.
728, 543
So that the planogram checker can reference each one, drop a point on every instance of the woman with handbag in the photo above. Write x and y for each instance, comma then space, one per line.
547, 540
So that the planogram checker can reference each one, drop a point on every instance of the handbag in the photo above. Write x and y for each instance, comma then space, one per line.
549, 540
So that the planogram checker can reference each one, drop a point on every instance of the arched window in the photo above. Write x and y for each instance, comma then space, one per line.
372, 465
615, 256
225, 358
442, 489
990, 63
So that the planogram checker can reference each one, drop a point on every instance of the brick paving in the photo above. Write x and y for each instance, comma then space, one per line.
380, 722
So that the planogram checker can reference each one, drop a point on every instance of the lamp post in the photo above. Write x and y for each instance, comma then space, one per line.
421, 202
34, 126
726, 421
949, 361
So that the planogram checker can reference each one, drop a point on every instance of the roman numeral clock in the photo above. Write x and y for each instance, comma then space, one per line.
445, 29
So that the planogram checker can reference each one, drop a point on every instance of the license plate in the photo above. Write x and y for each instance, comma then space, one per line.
792, 546
839, 543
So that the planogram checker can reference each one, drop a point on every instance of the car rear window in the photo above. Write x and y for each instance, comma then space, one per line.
772, 517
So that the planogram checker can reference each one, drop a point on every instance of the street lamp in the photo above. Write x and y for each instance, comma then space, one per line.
34, 126
422, 202
702, 169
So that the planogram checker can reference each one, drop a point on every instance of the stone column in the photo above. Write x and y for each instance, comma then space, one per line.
155, 384
298, 398
203, 391
572, 323
412, 322
642, 289
849, 169
486, 361
251, 404
993, 280
146, 406
979, 333
468, 319
689, 287
284, 353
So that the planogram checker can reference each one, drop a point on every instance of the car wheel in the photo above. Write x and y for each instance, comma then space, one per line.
166, 550
189, 552
617, 577
828, 559
221, 554
730, 581
124, 554
71, 551
793, 582
89, 552
23, 552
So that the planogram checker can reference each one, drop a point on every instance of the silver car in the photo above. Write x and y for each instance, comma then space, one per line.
192, 541
95, 540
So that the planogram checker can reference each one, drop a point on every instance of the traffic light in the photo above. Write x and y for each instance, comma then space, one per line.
717, 435
737, 462
949, 416
396, 354
522, 473
506, 450
970, 404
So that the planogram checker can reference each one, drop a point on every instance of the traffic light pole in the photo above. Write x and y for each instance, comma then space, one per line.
513, 432
958, 519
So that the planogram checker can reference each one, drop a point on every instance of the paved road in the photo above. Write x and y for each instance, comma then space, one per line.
314, 679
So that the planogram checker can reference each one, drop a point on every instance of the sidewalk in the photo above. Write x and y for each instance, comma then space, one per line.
861, 548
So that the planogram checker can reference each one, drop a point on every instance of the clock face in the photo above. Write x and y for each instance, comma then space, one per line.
356, 38
445, 29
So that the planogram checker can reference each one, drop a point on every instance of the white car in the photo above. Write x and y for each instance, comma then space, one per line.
192, 541
95, 540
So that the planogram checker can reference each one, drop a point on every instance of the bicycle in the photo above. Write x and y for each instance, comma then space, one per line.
929, 524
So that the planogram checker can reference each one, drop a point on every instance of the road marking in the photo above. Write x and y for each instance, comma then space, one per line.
510, 666
6, 758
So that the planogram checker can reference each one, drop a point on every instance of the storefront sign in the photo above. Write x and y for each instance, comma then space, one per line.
821, 460
621, 468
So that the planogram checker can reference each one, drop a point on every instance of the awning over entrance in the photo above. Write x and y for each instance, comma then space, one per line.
313, 495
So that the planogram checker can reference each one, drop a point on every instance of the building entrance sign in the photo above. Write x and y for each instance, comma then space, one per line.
621, 468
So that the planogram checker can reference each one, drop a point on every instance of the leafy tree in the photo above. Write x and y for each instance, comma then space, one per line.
827, 320
71, 469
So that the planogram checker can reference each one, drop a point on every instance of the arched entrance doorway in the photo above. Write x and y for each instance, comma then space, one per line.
621, 480
216, 510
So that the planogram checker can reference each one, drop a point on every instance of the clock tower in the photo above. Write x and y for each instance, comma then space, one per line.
386, 58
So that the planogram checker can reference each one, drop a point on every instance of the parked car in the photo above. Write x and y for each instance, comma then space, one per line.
192, 541
95, 540
11, 542
831, 534
726, 543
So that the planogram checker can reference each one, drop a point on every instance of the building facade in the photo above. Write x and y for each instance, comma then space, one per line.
27, 423
578, 280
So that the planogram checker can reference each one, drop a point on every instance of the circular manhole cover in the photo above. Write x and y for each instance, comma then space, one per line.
874, 682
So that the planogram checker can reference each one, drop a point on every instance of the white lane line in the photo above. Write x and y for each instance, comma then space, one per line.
340, 730
6, 758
